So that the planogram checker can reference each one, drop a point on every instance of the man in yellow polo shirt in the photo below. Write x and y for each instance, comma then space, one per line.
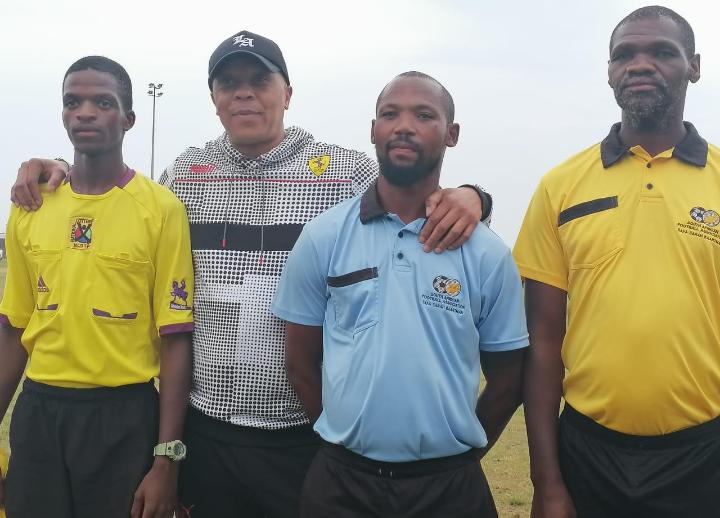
620, 249
98, 295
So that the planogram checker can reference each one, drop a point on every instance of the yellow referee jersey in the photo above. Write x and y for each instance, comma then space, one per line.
635, 242
96, 279
3, 468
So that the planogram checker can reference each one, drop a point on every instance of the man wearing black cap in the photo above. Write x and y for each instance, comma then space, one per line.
248, 194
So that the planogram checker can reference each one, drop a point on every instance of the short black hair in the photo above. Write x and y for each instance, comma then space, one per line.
658, 11
107, 65
447, 98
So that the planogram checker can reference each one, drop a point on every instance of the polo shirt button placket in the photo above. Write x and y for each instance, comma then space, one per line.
649, 186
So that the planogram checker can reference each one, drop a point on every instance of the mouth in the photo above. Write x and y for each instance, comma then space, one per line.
402, 152
85, 131
403, 147
641, 86
245, 113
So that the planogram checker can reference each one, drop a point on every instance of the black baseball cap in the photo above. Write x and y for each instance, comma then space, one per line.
246, 42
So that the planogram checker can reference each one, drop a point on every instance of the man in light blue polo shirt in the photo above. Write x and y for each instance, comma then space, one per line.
384, 342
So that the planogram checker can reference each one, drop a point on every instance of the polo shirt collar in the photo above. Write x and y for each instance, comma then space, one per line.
121, 182
370, 207
693, 149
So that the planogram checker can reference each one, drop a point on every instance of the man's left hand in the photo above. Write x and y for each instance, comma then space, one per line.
452, 215
156, 496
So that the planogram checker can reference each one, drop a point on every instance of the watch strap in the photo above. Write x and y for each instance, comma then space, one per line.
67, 164
160, 449
486, 199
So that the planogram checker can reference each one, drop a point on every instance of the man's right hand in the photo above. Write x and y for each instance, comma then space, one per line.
552, 502
26, 191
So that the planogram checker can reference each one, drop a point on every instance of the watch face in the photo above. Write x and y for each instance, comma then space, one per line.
178, 448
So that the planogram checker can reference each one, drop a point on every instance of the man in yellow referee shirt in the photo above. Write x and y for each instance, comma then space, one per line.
98, 296
620, 251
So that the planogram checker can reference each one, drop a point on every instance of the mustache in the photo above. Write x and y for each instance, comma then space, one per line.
403, 142
631, 81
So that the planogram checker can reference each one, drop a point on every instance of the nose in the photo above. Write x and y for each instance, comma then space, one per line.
243, 91
641, 64
86, 111
405, 124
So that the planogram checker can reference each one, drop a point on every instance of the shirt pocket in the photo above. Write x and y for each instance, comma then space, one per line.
48, 276
354, 298
120, 290
590, 232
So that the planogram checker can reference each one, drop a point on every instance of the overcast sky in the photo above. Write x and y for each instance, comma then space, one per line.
528, 76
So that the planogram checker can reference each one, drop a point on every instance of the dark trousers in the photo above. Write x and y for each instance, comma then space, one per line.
614, 475
342, 484
238, 472
79, 453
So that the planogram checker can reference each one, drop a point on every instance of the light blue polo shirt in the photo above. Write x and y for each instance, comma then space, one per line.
402, 329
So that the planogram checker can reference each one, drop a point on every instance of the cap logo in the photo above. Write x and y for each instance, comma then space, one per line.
243, 41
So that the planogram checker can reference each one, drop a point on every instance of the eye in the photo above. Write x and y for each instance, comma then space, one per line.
620, 56
665, 54
226, 82
70, 103
425, 116
388, 114
261, 80
105, 104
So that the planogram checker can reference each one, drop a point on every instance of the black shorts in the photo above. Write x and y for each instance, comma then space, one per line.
611, 474
341, 483
239, 472
79, 453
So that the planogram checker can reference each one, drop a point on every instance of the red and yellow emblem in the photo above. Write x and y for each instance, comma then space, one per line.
319, 164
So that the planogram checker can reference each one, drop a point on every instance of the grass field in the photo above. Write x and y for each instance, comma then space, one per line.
506, 466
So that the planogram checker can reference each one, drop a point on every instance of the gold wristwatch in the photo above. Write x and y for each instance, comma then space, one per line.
173, 450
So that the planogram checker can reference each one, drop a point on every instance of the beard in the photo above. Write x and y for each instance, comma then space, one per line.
648, 110
405, 175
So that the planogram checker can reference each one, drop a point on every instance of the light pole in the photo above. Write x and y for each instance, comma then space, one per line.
154, 92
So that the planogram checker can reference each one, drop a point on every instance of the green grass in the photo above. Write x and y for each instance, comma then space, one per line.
507, 466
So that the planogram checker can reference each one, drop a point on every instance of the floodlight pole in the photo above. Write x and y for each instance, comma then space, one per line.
154, 93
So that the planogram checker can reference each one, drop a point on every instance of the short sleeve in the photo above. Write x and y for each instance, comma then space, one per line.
174, 281
538, 250
365, 173
502, 325
18, 302
301, 296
